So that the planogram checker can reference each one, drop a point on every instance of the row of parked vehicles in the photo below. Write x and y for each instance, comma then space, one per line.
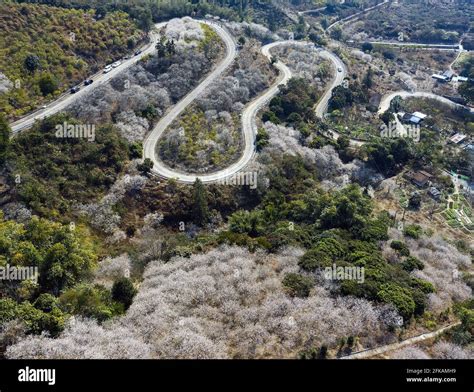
107, 69
110, 67
87, 82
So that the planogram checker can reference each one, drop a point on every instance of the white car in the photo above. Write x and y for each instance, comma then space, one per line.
116, 64
107, 69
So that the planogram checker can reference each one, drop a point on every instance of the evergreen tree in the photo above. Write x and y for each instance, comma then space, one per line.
170, 47
32, 63
123, 291
368, 78
161, 48
200, 208
146, 166
48, 84
4, 137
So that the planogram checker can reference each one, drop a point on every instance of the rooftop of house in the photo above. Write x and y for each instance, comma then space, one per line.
426, 174
420, 177
419, 115
415, 120
440, 77
457, 138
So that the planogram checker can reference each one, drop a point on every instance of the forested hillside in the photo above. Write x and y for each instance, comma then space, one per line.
237, 194
145, 13
44, 50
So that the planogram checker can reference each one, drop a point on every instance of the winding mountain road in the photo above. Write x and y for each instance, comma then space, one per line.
99, 78
386, 99
385, 105
311, 11
149, 145
341, 74
353, 16
249, 115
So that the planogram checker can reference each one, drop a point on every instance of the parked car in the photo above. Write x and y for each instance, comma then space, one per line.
137, 52
116, 64
107, 69
75, 89
87, 82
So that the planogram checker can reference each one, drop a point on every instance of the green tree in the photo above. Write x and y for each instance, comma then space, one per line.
342, 143
262, 139
326, 252
298, 285
247, 222
415, 201
466, 89
200, 206
45, 315
400, 247
89, 301
170, 47
399, 296
48, 84
8, 310
135, 150
412, 263
123, 291
46, 302
413, 231
367, 47
161, 48
31, 63
145, 20
368, 82
396, 104
5, 133
146, 166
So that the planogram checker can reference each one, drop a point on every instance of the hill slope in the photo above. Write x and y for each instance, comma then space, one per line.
44, 50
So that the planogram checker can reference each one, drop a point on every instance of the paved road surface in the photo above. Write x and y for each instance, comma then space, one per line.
249, 114
353, 16
99, 78
149, 146
396, 346
386, 99
338, 64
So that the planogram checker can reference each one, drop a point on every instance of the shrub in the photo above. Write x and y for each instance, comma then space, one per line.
298, 285
413, 231
48, 84
89, 301
146, 166
400, 297
247, 222
412, 263
400, 247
